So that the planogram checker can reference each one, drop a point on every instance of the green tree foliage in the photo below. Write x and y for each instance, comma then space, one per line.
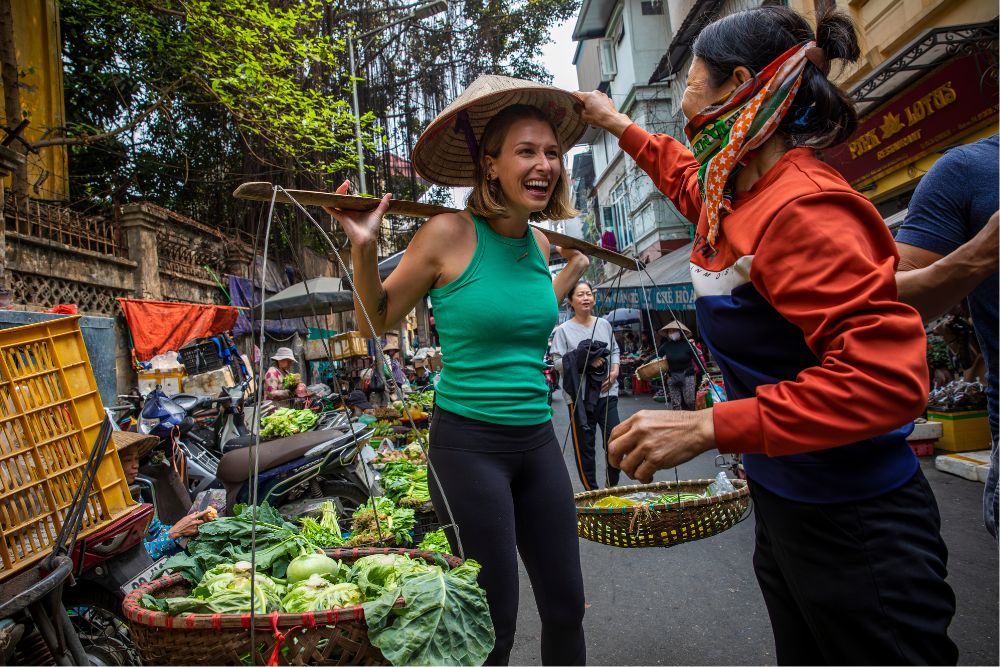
178, 101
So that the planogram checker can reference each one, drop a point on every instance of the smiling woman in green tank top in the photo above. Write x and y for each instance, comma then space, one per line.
493, 450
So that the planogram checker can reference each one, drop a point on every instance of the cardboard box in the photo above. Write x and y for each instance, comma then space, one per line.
211, 383
171, 381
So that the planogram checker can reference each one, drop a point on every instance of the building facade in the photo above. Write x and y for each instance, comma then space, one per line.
927, 81
619, 43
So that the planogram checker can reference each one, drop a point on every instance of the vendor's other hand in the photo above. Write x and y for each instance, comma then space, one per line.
653, 440
599, 110
609, 382
361, 227
187, 526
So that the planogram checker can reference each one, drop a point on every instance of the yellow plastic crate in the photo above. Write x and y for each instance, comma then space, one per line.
50, 415
350, 344
962, 431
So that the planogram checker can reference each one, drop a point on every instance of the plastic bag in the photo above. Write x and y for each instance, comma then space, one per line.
720, 485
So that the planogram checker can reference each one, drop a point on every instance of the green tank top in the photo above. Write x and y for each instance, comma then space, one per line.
494, 322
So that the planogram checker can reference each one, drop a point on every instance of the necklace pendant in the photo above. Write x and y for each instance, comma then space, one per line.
522, 256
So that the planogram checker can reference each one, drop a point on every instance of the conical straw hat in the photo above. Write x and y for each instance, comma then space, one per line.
444, 152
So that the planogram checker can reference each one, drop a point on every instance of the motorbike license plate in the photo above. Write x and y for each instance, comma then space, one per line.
143, 577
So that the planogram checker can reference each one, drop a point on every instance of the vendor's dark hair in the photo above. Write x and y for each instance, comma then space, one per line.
822, 114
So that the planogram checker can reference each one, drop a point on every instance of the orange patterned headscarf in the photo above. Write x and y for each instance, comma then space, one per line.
725, 137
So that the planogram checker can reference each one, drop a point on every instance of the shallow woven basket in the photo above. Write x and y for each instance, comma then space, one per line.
652, 370
660, 525
331, 637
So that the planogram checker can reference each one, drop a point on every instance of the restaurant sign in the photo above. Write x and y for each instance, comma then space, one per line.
954, 99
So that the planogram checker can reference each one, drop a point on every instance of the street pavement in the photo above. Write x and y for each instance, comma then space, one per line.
699, 604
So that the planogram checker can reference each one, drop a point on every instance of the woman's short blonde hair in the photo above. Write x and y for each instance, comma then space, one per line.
486, 199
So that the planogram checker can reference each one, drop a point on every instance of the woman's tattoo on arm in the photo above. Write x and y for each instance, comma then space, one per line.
383, 302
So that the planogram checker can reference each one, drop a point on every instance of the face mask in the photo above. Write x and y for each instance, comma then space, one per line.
675, 336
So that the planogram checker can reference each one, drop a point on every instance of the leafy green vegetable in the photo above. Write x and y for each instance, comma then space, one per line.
284, 422
318, 593
225, 589
380, 572
227, 540
405, 483
324, 533
445, 619
290, 381
379, 519
435, 541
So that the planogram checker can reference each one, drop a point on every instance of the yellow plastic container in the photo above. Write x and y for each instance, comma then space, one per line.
50, 415
962, 431
171, 381
350, 344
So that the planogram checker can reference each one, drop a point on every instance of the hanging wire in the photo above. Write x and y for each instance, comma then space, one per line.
254, 475
395, 390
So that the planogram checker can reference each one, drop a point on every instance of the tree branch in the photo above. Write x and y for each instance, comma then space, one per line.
85, 139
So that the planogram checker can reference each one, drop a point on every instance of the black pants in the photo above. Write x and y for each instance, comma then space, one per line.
502, 500
606, 418
856, 583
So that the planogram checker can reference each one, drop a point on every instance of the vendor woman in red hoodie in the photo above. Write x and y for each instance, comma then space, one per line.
825, 370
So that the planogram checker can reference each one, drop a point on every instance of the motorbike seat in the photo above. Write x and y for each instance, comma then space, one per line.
234, 467
189, 402
239, 442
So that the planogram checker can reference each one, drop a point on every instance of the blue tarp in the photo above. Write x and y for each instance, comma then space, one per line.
245, 295
664, 285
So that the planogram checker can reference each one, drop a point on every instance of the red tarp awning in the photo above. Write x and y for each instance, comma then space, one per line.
160, 326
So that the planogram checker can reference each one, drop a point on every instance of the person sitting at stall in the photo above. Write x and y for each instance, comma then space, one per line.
360, 407
274, 377
423, 377
161, 539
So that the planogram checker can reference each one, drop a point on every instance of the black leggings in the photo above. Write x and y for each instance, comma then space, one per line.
502, 500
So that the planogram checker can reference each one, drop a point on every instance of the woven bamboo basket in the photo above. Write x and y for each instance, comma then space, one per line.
652, 370
660, 525
331, 637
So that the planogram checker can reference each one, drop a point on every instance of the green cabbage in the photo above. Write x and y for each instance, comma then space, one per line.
444, 620
317, 593
375, 574
225, 589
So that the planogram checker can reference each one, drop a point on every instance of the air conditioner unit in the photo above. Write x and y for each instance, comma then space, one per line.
606, 58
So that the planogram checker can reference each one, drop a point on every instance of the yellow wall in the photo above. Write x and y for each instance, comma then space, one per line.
886, 26
38, 44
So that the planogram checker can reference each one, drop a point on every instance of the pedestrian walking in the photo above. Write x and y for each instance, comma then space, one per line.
793, 272
948, 251
676, 349
589, 408
493, 452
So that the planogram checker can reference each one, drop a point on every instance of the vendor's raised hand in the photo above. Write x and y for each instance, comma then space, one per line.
653, 440
187, 526
599, 110
361, 227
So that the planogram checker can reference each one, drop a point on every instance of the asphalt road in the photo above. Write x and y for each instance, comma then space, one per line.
699, 604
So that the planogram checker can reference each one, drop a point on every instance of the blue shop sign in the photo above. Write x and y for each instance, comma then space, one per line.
660, 297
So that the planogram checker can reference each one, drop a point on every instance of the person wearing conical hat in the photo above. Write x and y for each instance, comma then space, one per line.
494, 455
161, 538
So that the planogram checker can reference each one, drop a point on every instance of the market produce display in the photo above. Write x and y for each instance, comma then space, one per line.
413, 453
379, 520
326, 531
435, 541
405, 483
284, 422
416, 612
957, 396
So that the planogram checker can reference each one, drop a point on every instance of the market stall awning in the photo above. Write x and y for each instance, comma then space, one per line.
664, 285
159, 326
317, 296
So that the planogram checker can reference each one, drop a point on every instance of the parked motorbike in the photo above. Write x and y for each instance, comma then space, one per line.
297, 473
